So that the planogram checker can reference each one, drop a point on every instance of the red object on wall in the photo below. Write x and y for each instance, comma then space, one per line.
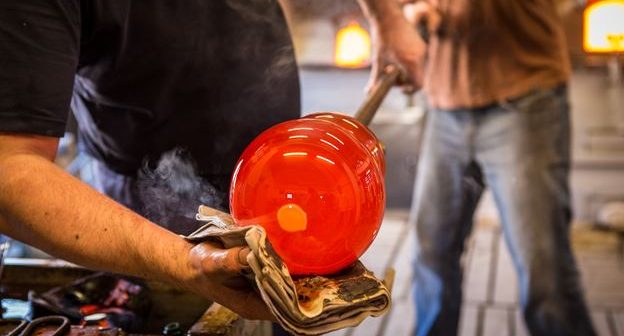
316, 189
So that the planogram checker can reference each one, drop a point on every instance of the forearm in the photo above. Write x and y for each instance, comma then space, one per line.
382, 13
43, 206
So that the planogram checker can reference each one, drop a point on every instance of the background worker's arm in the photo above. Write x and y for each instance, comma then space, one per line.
44, 206
395, 40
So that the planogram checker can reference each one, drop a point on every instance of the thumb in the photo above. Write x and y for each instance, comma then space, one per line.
217, 262
415, 12
373, 78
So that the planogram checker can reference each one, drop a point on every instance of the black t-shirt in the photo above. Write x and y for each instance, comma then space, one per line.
146, 76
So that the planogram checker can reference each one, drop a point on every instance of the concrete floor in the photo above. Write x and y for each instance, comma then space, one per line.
490, 303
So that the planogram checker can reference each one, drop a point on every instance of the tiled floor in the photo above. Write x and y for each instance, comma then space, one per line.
490, 284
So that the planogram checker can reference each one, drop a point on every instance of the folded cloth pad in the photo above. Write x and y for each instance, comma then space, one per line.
309, 305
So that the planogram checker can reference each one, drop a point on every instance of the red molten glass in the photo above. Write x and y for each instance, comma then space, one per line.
317, 191
361, 132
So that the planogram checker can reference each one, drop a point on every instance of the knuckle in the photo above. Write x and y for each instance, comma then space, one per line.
214, 261
230, 261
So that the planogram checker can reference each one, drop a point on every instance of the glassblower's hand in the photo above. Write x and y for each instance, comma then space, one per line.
221, 279
398, 42
423, 12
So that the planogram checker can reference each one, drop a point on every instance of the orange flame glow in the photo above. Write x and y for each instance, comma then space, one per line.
353, 47
603, 23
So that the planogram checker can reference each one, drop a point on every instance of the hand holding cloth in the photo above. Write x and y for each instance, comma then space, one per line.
309, 305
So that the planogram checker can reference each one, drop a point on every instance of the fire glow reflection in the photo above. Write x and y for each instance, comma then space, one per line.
353, 47
603, 26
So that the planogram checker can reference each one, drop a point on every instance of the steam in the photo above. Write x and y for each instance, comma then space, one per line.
172, 192
282, 65
255, 10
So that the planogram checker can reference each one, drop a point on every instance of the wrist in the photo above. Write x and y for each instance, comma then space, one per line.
165, 256
182, 273
388, 27
381, 14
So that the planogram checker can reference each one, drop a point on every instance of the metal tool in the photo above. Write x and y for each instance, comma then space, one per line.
387, 80
12, 327
61, 321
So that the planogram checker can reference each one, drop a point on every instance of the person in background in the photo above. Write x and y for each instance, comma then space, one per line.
142, 78
495, 79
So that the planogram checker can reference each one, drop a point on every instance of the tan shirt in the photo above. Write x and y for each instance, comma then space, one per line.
489, 50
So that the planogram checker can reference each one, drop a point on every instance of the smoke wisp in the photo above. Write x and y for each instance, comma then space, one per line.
172, 191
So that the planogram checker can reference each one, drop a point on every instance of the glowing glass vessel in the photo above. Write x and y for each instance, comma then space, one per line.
361, 133
316, 185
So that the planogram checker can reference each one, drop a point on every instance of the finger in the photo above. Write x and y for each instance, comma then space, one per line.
416, 78
404, 76
414, 13
373, 79
434, 19
408, 89
409, 79
409, 13
404, 80
242, 256
217, 262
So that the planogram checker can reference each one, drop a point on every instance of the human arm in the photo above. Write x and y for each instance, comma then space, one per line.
42, 205
395, 40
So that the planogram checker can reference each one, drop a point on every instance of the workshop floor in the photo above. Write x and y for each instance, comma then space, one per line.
490, 284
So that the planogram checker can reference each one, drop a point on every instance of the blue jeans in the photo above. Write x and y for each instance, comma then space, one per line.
521, 150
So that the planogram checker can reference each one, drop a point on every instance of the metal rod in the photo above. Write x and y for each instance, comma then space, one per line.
388, 78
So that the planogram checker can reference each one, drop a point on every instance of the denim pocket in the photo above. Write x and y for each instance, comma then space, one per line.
536, 100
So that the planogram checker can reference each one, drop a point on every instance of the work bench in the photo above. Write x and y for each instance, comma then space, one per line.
169, 305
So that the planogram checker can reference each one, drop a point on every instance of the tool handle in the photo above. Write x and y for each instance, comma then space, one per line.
388, 78
62, 324
17, 325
